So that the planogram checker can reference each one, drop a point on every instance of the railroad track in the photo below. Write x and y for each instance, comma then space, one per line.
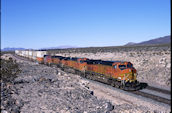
139, 92
21, 58
159, 90
153, 97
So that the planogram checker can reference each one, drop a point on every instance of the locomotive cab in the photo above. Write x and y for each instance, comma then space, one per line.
124, 71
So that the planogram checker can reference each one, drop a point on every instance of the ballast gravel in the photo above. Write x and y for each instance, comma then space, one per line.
43, 89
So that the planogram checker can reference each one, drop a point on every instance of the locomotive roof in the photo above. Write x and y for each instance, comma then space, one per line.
56, 56
93, 61
74, 58
110, 62
61, 58
107, 63
67, 58
46, 55
119, 61
102, 62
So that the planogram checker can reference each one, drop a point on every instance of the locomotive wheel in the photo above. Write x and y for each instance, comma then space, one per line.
122, 87
88, 76
91, 77
117, 86
112, 84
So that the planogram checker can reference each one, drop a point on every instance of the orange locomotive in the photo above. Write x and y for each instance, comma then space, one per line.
57, 60
78, 63
117, 73
120, 74
48, 59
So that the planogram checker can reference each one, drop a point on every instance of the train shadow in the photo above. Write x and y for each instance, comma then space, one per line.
143, 85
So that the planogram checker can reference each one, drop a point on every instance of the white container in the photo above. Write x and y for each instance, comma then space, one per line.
20, 53
16, 52
30, 54
41, 54
27, 54
34, 54
23, 53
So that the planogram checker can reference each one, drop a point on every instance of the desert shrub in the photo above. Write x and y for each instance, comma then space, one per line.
9, 69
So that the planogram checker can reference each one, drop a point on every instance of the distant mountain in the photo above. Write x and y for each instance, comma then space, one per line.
12, 49
130, 43
61, 47
66, 46
160, 40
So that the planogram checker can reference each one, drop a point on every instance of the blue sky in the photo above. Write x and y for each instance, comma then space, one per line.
82, 23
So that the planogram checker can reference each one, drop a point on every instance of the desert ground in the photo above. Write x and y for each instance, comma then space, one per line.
37, 88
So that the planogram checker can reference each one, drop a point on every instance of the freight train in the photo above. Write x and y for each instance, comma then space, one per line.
120, 74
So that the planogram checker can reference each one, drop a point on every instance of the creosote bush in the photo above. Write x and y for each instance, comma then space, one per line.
9, 69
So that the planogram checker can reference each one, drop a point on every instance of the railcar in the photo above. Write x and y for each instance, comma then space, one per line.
23, 53
65, 61
17, 52
27, 54
81, 64
47, 59
121, 74
34, 55
77, 63
40, 56
72, 62
56, 60
30, 54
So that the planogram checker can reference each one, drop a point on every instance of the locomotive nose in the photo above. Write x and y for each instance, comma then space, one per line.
134, 74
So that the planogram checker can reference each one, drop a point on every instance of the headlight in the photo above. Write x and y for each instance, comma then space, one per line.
135, 74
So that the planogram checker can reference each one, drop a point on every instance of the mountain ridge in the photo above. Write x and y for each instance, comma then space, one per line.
160, 40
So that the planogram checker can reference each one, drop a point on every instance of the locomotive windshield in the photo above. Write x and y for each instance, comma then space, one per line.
122, 67
81, 61
129, 65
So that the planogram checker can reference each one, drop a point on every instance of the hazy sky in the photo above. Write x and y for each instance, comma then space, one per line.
51, 23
